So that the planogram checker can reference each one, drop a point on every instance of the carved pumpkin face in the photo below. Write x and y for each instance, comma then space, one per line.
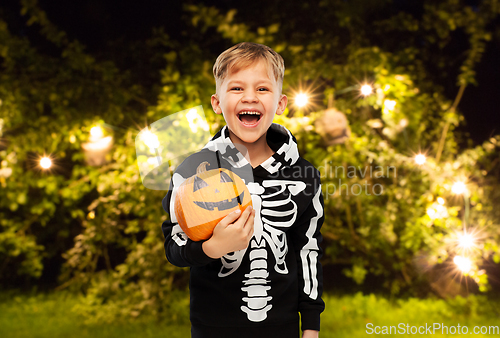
206, 198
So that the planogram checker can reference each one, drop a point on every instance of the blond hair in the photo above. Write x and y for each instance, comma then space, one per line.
242, 55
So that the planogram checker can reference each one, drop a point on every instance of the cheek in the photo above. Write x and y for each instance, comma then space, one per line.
228, 104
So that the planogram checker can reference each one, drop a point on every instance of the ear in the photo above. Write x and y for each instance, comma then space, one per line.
282, 104
216, 104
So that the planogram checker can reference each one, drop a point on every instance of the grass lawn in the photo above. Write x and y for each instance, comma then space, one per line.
364, 316
51, 316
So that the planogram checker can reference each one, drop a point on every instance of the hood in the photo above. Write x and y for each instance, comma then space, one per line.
278, 138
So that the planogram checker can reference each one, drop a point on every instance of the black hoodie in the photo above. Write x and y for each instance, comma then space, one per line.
279, 274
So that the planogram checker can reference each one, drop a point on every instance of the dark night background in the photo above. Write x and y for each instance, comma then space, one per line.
100, 24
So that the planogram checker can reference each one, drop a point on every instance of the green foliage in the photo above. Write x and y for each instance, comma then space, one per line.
54, 315
106, 225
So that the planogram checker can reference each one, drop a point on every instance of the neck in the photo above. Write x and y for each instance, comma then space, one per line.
255, 152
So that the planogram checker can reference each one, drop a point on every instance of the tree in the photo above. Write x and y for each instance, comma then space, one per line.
108, 225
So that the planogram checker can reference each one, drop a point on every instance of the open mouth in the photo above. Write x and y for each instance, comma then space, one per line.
222, 205
249, 117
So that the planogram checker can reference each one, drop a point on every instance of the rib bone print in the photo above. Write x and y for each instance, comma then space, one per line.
277, 211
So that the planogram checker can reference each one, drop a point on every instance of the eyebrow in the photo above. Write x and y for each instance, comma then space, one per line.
234, 82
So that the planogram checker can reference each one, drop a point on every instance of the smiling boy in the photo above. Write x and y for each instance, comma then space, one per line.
248, 95
261, 267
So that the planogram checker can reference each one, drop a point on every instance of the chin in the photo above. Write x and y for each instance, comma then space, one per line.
248, 137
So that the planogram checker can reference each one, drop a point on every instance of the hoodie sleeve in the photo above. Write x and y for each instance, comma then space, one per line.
306, 238
179, 249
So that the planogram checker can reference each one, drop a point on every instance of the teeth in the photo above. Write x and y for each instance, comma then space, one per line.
250, 113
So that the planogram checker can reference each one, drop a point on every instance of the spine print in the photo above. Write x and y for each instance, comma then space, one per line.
255, 287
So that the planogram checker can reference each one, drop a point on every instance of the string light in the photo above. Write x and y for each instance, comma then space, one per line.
366, 90
96, 133
97, 147
431, 212
45, 162
436, 211
301, 100
151, 140
420, 159
458, 188
463, 264
466, 240
390, 104
440, 200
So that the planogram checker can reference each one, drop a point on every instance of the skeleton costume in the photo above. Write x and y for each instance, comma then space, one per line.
261, 289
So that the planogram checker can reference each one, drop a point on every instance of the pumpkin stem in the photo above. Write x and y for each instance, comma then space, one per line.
202, 167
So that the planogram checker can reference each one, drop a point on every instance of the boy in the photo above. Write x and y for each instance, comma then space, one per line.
260, 268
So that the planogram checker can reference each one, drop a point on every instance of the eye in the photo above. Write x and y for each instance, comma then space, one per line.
236, 88
262, 89
224, 178
199, 183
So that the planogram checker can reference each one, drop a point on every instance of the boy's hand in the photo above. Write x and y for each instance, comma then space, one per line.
231, 234
310, 334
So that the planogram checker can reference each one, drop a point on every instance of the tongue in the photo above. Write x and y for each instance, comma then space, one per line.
249, 119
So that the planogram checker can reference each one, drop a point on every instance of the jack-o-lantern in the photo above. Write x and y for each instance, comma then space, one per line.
206, 198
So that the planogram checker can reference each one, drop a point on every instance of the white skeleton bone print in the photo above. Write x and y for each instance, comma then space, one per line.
275, 202
277, 211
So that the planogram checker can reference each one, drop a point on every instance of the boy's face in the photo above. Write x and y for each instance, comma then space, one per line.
248, 99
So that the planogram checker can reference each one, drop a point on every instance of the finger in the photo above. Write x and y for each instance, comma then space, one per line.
250, 222
244, 216
230, 218
249, 226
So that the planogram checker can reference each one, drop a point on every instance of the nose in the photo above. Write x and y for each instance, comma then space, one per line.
249, 97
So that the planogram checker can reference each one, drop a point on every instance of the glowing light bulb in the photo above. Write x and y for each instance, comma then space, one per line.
463, 264
420, 159
91, 215
441, 200
97, 147
301, 100
366, 90
45, 163
150, 139
466, 241
437, 211
431, 212
96, 133
390, 104
458, 188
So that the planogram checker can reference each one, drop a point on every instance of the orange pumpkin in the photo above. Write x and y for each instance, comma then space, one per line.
207, 197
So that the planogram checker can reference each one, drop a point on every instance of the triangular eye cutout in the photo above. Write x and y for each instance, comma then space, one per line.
224, 178
199, 183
